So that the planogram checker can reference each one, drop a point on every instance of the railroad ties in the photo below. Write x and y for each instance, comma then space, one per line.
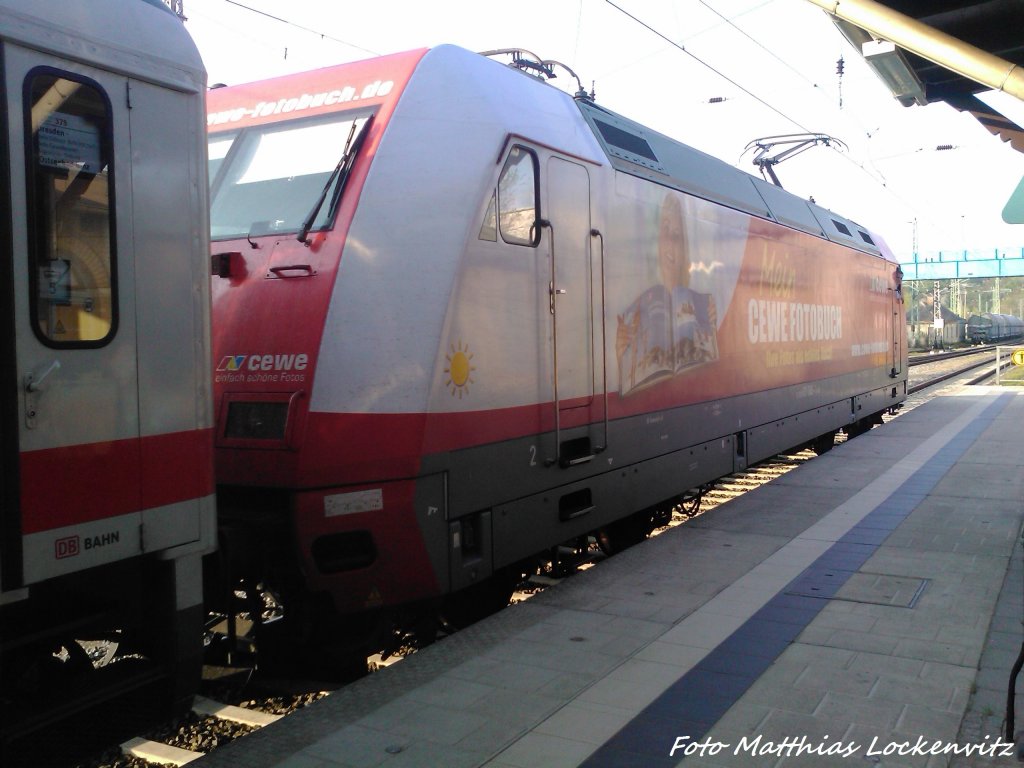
165, 754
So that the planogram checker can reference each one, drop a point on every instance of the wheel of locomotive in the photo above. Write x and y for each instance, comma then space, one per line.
311, 638
857, 428
340, 664
624, 533
423, 628
823, 443
479, 601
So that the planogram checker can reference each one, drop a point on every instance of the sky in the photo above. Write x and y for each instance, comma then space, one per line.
661, 62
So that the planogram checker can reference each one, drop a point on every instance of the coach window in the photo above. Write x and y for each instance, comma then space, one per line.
71, 220
517, 198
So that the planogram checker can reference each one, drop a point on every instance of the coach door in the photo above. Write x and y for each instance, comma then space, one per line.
574, 297
71, 410
10, 529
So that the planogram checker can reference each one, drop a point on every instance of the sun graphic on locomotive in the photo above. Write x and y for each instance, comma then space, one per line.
459, 369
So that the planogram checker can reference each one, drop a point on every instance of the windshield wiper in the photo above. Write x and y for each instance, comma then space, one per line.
352, 145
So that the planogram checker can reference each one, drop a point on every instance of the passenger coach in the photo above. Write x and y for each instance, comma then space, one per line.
106, 474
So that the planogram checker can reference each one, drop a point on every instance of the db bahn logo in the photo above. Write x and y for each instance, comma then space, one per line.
67, 547
70, 546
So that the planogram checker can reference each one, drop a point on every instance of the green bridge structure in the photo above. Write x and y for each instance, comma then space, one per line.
960, 265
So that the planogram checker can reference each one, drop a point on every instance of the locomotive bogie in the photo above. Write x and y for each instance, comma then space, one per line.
529, 320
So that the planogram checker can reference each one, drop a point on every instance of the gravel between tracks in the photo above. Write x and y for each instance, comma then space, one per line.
201, 733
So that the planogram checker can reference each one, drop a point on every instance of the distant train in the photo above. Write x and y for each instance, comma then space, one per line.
106, 466
461, 317
985, 328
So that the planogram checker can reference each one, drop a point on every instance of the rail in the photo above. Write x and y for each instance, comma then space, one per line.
926, 359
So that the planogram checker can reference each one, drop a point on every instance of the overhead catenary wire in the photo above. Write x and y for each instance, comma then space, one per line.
760, 45
696, 58
318, 33
817, 86
877, 177
736, 84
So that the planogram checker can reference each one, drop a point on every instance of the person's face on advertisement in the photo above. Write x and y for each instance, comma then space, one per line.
673, 262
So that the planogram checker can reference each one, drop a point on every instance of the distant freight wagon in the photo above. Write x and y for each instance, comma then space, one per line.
985, 328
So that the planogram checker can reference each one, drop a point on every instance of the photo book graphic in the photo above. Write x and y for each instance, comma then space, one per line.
664, 333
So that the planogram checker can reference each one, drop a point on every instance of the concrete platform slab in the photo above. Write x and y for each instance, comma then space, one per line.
865, 608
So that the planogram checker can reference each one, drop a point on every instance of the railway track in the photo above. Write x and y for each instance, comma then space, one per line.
213, 723
928, 371
226, 722
210, 724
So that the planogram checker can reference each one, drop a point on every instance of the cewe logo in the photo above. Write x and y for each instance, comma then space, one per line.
265, 363
231, 363
69, 546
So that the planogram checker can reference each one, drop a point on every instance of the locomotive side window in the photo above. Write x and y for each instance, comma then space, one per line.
489, 229
71, 212
517, 198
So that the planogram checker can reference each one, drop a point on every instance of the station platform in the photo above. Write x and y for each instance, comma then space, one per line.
863, 609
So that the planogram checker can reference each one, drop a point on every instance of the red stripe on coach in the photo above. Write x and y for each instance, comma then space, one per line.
80, 483
176, 467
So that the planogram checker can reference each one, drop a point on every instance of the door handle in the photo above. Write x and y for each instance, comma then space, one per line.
34, 383
285, 271
33, 390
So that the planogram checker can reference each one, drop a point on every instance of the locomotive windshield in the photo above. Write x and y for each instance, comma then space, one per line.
264, 180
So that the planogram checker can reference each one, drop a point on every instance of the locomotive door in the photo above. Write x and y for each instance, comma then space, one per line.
71, 412
571, 304
899, 331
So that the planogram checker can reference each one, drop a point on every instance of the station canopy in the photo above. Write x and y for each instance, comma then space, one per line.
944, 50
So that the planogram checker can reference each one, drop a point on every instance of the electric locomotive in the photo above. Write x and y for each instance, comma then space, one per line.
106, 466
461, 317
